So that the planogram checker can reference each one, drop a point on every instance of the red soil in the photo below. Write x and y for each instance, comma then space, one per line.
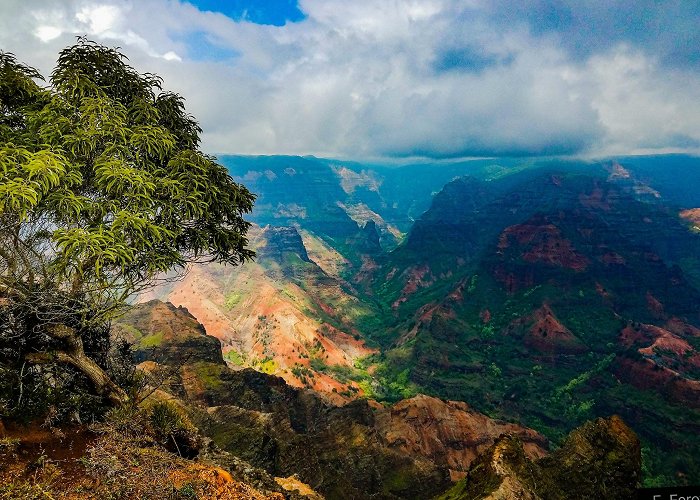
596, 200
447, 432
612, 258
602, 291
416, 280
654, 306
543, 243
680, 327
646, 374
548, 334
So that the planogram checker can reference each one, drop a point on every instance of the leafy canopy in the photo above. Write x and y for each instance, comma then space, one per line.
105, 163
102, 189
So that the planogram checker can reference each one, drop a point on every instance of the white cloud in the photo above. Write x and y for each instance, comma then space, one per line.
368, 78
171, 56
99, 18
47, 33
643, 106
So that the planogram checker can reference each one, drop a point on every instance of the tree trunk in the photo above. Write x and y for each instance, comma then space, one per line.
74, 354
103, 384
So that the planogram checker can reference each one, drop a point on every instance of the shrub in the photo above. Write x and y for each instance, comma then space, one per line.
173, 429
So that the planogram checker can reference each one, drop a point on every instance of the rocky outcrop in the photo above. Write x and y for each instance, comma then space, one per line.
449, 433
360, 450
648, 374
664, 360
548, 334
601, 459
280, 241
540, 242
543, 332
368, 239
277, 317
336, 450
692, 216
167, 334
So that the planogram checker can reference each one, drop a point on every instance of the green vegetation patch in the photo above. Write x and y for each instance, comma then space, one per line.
152, 340
232, 300
209, 374
235, 358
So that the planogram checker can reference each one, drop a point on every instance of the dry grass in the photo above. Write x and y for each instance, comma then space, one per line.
123, 458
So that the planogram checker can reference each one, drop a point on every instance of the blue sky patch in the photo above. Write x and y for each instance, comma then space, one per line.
202, 47
272, 12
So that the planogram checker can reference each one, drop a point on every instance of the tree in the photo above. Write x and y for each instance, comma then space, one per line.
103, 188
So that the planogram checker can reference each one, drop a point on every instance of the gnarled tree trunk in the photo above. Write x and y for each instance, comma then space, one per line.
74, 354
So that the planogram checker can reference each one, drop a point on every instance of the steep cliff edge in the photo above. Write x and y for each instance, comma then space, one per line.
601, 459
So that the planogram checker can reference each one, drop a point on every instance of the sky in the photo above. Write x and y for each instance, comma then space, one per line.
395, 79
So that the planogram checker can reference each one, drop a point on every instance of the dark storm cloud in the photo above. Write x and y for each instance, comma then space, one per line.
436, 78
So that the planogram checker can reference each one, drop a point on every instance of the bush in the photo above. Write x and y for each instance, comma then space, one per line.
173, 429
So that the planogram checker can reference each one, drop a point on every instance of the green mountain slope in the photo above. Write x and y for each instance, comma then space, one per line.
560, 297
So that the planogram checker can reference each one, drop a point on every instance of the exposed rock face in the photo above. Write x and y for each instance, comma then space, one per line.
167, 334
280, 241
450, 433
277, 314
335, 450
541, 242
562, 261
668, 362
546, 334
359, 450
368, 239
501, 473
647, 374
244, 472
693, 216
601, 459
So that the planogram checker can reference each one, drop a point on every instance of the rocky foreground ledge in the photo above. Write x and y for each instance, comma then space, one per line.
600, 459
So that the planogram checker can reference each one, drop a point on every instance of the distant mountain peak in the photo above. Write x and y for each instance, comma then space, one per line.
280, 241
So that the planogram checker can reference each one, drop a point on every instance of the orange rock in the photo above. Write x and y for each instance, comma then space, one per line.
447, 432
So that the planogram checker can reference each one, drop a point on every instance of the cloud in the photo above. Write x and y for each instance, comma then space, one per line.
666, 30
397, 78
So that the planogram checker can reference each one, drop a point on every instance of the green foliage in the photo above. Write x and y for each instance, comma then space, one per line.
387, 383
208, 373
102, 189
318, 364
472, 283
266, 365
8, 445
187, 491
585, 376
173, 428
153, 340
126, 420
232, 300
304, 374
235, 358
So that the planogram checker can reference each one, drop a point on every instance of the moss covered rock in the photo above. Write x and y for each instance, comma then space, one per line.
601, 459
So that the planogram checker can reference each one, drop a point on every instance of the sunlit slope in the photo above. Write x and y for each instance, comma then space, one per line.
281, 314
